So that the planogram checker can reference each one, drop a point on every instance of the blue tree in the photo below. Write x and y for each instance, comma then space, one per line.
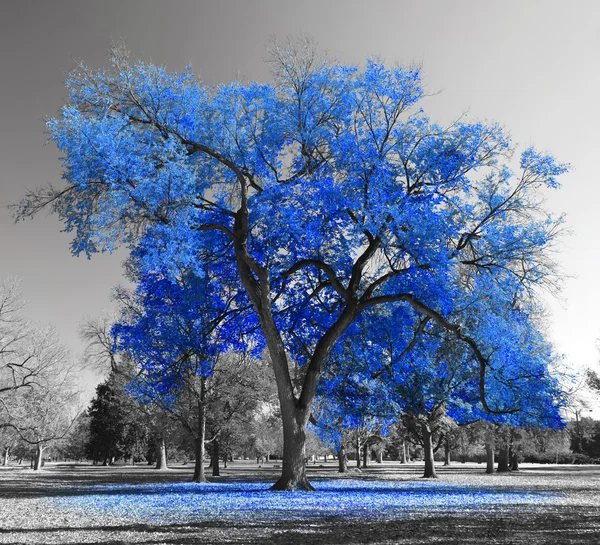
325, 193
172, 330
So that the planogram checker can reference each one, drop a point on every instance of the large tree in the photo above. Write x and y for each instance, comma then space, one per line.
327, 192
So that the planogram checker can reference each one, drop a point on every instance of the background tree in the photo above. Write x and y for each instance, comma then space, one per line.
117, 425
43, 413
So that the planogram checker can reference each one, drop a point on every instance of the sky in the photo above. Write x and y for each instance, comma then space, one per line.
530, 65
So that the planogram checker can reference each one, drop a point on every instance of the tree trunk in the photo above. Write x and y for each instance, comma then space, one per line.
161, 453
215, 459
447, 460
199, 475
503, 460
403, 452
37, 462
225, 459
342, 462
6, 452
357, 446
514, 461
295, 411
428, 452
380, 456
489, 453
293, 468
365, 455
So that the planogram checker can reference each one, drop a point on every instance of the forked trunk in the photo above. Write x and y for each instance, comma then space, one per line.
489, 454
215, 459
161, 453
428, 452
37, 461
199, 475
342, 462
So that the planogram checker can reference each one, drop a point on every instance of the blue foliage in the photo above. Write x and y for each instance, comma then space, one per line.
341, 208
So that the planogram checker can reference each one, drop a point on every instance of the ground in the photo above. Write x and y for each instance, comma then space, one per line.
385, 504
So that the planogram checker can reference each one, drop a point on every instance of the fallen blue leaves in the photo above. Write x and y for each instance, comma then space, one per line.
251, 501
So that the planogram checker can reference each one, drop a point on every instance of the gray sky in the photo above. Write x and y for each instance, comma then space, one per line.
530, 65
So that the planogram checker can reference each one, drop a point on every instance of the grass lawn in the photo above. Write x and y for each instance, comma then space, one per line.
387, 503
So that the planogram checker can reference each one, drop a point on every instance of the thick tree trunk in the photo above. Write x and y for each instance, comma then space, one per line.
503, 460
489, 455
403, 452
447, 460
39, 454
6, 452
293, 468
215, 459
428, 452
365, 455
380, 456
342, 462
199, 475
161, 453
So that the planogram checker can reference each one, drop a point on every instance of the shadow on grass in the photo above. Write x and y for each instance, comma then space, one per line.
559, 527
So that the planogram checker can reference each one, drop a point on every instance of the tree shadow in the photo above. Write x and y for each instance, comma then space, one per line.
560, 527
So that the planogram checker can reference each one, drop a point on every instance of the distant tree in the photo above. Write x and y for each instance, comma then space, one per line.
25, 350
266, 434
8, 439
117, 425
100, 353
43, 413
73, 446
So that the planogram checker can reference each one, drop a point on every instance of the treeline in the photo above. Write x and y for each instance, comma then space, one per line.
233, 414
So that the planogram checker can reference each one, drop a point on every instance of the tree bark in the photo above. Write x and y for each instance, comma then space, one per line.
380, 456
357, 446
215, 459
161, 453
199, 475
6, 452
39, 454
342, 462
428, 452
293, 468
365, 455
